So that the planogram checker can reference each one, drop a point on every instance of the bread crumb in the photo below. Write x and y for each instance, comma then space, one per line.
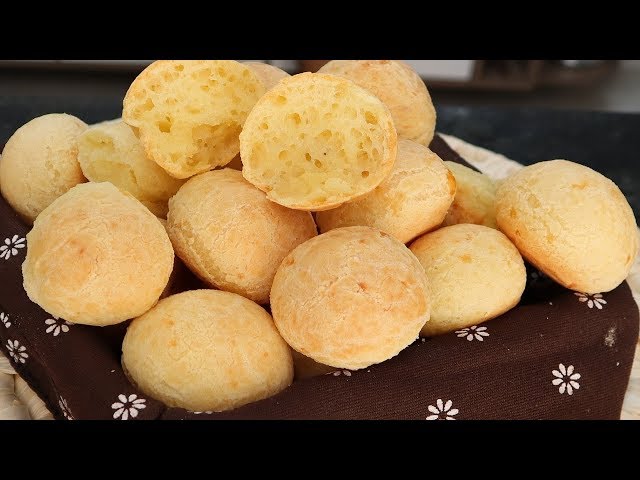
610, 337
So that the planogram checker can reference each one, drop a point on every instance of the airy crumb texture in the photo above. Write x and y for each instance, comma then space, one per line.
110, 152
399, 87
230, 235
40, 162
412, 200
189, 113
206, 350
96, 256
571, 222
268, 74
475, 200
475, 274
316, 141
350, 297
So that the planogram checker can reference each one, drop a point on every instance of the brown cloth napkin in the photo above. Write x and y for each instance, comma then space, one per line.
558, 355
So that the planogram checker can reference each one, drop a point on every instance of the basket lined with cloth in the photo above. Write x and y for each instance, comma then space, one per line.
558, 354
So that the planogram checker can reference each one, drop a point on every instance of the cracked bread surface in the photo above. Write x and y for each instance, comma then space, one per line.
475, 200
412, 200
206, 350
230, 235
316, 141
350, 298
110, 152
97, 256
399, 87
571, 222
188, 114
475, 274
40, 162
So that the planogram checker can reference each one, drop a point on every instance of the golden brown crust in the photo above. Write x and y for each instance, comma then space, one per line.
350, 298
189, 113
475, 274
230, 235
110, 152
475, 200
40, 162
412, 200
316, 141
426, 138
571, 222
399, 87
207, 350
96, 256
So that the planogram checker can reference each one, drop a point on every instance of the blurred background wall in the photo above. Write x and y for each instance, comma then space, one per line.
580, 84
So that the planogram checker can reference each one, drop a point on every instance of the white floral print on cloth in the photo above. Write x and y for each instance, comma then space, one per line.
17, 352
55, 325
11, 246
127, 408
4, 318
472, 333
337, 373
65, 408
593, 300
566, 379
442, 410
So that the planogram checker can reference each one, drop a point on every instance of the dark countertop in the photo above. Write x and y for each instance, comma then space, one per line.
606, 142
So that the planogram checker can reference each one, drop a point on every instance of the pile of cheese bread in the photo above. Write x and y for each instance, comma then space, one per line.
327, 233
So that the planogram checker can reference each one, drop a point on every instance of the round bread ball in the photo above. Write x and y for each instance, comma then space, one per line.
426, 138
399, 87
475, 200
413, 199
40, 163
110, 152
268, 74
351, 297
316, 141
96, 256
189, 113
475, 274
206, 350
230, 235
571, 222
